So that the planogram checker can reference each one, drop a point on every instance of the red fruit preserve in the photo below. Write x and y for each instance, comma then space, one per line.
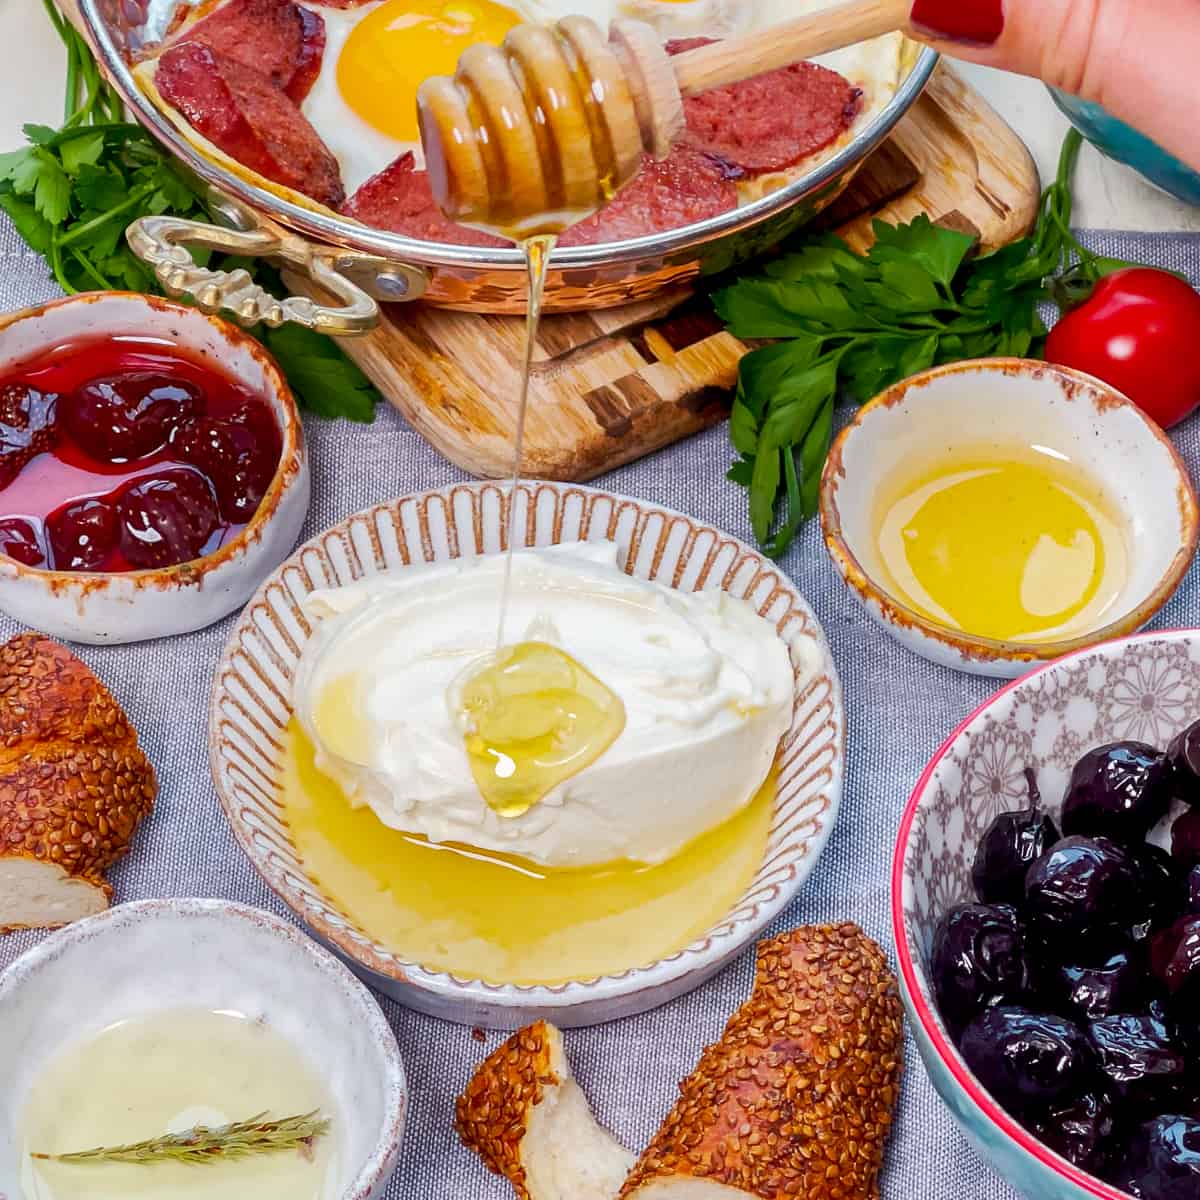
123, 454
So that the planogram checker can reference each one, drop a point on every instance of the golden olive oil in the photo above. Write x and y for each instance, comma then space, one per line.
1013, 543
168, 1072
485, 915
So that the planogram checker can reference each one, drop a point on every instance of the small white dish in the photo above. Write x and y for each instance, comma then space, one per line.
1001, 400
252, 706
133, 606
155, 955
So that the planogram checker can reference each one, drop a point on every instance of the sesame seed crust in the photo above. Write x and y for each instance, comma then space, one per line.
798, 1096
492, 1115
74, 785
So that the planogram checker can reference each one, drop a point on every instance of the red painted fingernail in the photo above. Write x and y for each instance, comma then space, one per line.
980, 22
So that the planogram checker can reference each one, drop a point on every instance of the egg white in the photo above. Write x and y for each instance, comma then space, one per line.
360, 149
693, 18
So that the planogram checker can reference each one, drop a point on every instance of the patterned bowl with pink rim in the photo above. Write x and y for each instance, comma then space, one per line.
252, 706
1144, 688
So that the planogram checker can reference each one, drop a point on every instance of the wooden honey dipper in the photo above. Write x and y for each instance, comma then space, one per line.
539, 132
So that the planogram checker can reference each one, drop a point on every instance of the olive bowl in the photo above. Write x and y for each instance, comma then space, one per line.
1142, 688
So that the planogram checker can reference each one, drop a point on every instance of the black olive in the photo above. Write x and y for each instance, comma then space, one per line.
1027, 1060
1163, 1160
1192, 890
1082, 889
1139, 1061
1181, 1012
1010, 844
978, 958
1117, 791
1183, 756
1081, 1131
1185, 838
1175, 954
1160, 887
1086, 991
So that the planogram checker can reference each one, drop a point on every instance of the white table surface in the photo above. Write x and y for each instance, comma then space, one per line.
1109, 196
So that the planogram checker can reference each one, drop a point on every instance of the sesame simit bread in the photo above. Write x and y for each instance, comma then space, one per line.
797, 1098
526, 1117
74, 786
795, 1101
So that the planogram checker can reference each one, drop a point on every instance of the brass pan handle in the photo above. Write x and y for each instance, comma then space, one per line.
162, 243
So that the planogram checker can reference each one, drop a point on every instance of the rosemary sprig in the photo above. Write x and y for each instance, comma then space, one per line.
203, 1145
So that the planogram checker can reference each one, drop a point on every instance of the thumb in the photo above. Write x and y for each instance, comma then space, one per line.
1136, 57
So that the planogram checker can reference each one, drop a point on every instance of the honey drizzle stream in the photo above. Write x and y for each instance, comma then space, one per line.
537, 252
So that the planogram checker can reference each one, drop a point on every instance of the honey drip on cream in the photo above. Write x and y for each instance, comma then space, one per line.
532, 715
535, 717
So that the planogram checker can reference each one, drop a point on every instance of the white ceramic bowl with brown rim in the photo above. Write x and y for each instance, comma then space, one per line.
159, 956
252, 706
130, 606
1002, 401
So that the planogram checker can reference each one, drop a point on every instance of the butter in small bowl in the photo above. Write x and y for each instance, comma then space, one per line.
998, 513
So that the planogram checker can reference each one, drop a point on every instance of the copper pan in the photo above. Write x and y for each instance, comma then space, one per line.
355, 266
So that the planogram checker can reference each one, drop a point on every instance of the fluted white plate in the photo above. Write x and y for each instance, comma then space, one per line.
251, 707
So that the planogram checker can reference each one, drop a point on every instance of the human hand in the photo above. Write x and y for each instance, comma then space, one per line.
1138, 58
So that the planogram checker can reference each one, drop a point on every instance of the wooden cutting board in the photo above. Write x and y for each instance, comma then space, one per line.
613, 385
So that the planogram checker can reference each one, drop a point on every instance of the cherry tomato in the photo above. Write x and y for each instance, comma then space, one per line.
1140, 332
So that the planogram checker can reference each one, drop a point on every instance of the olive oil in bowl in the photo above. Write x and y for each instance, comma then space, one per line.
172, 1072
1007, 541
485, 915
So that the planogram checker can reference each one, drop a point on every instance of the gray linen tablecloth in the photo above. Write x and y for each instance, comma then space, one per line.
900, 708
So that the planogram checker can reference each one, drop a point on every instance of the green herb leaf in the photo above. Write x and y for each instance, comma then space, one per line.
12, 161
99, 189
52, 191
764, 484
39, 135
81, 151
741, 473
743, 427
793, 509
204, 1145
914, 289
937, 251
812, 457
794, 407
821, 259
324, 379
30, 224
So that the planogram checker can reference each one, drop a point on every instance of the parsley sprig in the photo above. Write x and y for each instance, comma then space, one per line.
843, 324
72, 191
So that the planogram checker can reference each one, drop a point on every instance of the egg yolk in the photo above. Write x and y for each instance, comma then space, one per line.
401, 43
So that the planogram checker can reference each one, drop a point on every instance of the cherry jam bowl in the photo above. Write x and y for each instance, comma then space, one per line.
152, 467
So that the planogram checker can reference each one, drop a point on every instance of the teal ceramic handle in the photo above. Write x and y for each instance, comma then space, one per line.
1122, 142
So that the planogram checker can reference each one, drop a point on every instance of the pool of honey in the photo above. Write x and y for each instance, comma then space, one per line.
484, 915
